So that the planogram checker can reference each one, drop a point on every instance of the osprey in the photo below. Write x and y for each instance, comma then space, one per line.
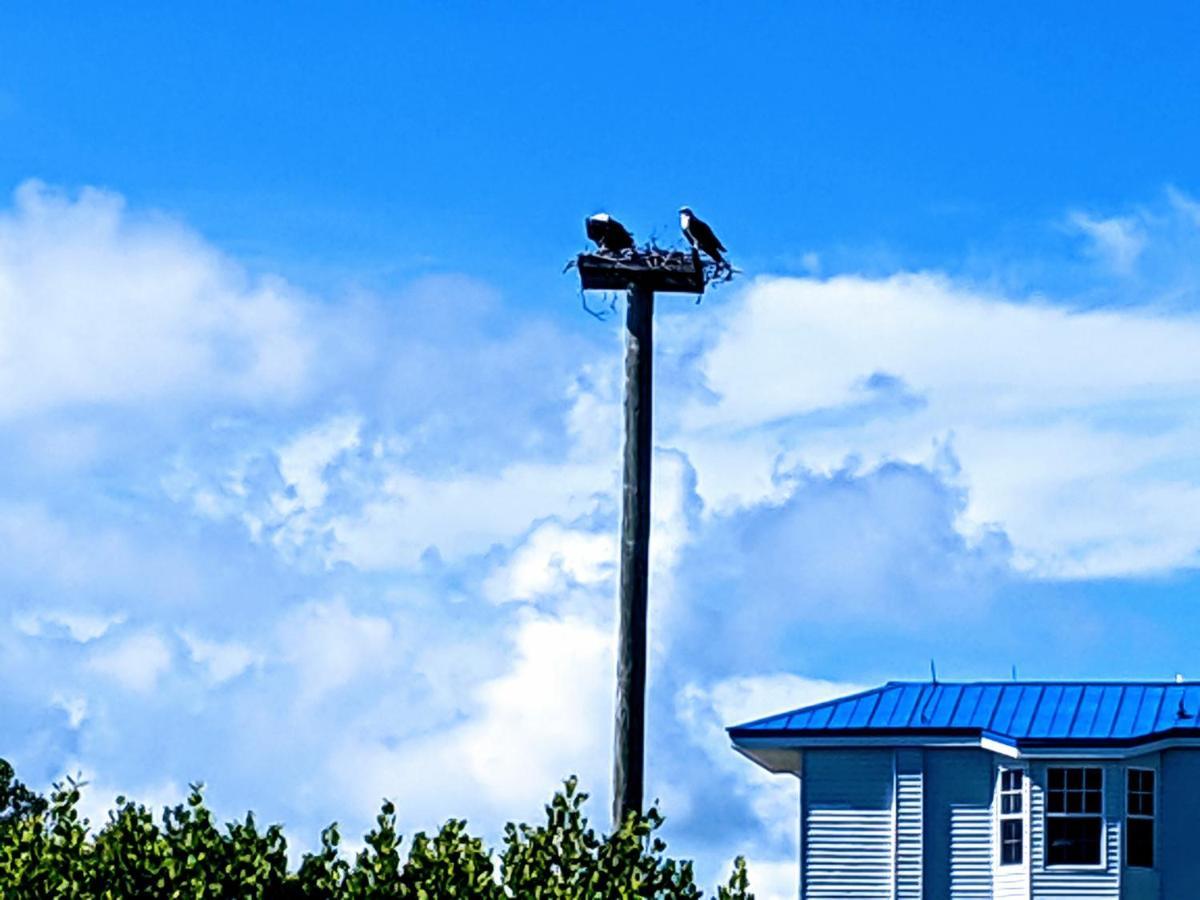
700, 236
608, 233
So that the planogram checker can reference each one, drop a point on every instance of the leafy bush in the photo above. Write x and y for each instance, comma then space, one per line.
47, 850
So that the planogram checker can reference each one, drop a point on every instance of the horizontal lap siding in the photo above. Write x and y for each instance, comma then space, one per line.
970, 852
848, 826
849, 854
958, 829
1012, 883
910, 809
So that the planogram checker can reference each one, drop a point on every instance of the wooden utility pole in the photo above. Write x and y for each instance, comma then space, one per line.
639, 275
630, 737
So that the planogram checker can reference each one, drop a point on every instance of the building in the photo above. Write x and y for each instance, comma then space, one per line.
999, 790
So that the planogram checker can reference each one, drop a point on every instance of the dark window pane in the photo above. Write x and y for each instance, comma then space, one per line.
1075, 779
1139, 842
1094, 779
1055, 802
1141, 804
1073, 841
1093, 802
1012, 780
1074, 801
1056, 779
1141, 792
1011, 842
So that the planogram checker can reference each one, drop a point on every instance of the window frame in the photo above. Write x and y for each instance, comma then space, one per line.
1102, 815
1152, 818
1021, 816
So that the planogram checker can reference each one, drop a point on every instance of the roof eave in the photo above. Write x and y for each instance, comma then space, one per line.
754, 743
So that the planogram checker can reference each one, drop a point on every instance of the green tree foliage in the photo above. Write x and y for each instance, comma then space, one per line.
48, 851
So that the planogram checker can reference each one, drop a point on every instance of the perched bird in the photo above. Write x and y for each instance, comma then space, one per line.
700, 236
608, 233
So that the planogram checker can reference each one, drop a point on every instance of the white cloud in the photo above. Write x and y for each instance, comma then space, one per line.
547, 717
1047, 410
330, 646
102, 307
554, 702
303, 461
552, 560
80, 626
463, 515
75, 706
222, 660
1184, 204
136, 662
1118, 240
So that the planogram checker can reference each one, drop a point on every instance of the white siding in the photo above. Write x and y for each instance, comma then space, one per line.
1012, 882
910, 811
910, 825
970, 852
848, 854
847, 830
1063, 882
958, 824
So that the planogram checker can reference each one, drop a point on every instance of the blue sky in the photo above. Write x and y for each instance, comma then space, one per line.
309, 455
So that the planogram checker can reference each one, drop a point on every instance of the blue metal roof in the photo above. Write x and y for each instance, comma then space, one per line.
1026, 713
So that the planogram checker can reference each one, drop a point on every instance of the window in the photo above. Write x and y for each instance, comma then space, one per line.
1074, 816
1139, 818
1012, 817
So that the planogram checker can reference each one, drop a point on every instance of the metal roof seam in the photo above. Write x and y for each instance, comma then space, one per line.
1016, 693
874, 705
1126, 692
995, 711
1158, 711
1078, 710
962, 697
1091, 725
924, 702
957, 700
1037, 704
1062, 692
